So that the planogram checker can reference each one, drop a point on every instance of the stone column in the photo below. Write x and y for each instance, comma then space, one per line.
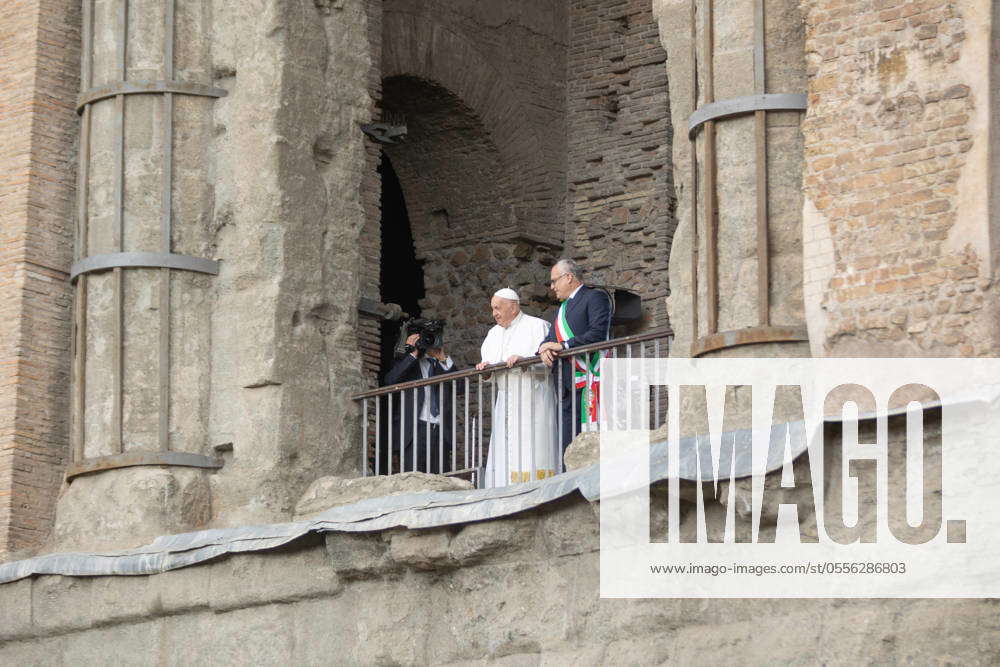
142, 274
737, 90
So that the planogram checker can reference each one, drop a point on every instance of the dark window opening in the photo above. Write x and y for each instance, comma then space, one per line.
401, 276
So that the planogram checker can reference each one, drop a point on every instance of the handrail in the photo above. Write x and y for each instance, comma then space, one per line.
663, 332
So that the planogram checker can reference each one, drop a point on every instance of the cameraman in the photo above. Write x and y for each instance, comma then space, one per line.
433, 410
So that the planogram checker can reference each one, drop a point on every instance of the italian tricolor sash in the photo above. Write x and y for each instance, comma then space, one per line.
586, 371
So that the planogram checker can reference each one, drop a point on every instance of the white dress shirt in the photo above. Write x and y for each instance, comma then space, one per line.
425, 372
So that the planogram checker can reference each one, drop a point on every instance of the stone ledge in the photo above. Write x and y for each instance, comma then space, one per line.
313, 567
327, 492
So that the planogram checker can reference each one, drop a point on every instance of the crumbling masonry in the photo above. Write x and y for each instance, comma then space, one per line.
190, 257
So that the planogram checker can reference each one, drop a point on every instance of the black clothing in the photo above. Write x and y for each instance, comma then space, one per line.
433, 440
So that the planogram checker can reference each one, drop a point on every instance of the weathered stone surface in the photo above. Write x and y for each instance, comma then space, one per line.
126, 644
584, 450
736, 211
60, 604
182, 590
15, 599
129, 507
328, 492
123, 599
303, 572
258, 635
358, 555
425, 549
485, 603
489, 539
574, 529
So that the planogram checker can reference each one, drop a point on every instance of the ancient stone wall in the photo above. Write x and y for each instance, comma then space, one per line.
715, 267
517, 590
289, 218
370, 244
505, 61
39, 79
458, 197
268, 182
143, 330
620, 203
900, 250
472, 275
481, 87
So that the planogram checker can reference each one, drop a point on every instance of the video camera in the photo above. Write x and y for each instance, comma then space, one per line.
431, 335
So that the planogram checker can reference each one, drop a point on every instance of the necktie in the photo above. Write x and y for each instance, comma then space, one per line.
435, 392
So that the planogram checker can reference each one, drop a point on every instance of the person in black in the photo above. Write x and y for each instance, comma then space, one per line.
433, 410
588, 317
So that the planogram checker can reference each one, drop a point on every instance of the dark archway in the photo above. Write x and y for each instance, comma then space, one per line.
401, 276
462, 211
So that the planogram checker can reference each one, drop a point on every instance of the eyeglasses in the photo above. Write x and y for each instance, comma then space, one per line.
556, 279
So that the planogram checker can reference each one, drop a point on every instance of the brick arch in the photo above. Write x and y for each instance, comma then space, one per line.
416, 46
459, 201
456, 182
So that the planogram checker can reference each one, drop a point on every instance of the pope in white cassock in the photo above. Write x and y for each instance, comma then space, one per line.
523, 395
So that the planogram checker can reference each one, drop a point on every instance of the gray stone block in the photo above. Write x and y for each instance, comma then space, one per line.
575, 531
245, 580
125, 644
476, 541
422, 549
15, 610
61, 604
358, 555
328, 492
254, 636
119, 599
182, 590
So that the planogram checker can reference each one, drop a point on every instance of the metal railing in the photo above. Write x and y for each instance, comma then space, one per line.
494, 426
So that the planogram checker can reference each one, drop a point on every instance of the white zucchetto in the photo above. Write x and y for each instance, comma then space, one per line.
507, 293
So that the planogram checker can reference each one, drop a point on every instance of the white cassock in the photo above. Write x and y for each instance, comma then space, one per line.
523, 395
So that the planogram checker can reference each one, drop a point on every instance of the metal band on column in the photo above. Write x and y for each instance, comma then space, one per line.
702, 120
119, 260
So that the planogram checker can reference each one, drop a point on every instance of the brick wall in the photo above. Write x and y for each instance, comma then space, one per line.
39, 72
482, 89
369, 335
620, 199
892, 263
506, 61
459, 200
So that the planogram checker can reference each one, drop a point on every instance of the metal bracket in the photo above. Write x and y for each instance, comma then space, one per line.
384, 133
146, 88
385, 311
738, 106
145, 260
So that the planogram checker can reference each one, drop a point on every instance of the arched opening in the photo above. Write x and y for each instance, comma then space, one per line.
401, 276
462, 212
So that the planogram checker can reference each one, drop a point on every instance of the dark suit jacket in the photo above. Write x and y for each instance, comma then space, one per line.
589, 316
407, 369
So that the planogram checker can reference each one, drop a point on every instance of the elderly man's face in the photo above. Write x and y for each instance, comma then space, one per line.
562, 283
504, 310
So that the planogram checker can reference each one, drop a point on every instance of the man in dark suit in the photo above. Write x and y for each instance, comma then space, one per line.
583, 318
433, 410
